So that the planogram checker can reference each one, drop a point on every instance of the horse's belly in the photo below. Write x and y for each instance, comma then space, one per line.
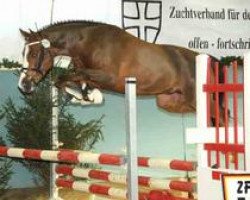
143, 86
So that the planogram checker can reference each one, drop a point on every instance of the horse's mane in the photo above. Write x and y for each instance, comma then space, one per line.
81, 23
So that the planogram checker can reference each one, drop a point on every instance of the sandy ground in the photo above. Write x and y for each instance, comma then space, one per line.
42, 194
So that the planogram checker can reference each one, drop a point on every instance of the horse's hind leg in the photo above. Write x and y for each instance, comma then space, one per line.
222, 113
180, 99
174, 102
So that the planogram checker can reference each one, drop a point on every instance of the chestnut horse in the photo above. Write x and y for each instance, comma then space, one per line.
103, 55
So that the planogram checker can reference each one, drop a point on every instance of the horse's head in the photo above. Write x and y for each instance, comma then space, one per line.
37, 60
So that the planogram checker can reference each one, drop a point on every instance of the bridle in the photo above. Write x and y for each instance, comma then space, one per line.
45, 43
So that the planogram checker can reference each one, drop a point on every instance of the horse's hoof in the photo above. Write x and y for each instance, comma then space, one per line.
95, 96
76, 101
77, 94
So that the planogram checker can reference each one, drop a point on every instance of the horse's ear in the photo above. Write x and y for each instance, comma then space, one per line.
31, 32
26, 35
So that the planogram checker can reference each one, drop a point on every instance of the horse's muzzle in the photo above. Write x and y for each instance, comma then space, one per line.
25, 85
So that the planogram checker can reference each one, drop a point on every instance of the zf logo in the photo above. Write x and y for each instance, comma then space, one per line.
243, 188
236, 186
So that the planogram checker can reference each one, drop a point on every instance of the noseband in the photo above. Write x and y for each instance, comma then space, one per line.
45, 45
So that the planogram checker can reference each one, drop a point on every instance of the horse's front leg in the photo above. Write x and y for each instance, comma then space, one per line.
78, 90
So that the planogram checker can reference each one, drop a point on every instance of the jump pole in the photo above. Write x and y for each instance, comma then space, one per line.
153, 183
131, 133
208, 177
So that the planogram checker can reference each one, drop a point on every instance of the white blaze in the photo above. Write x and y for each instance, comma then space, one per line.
25, 65
26, 52
22, 76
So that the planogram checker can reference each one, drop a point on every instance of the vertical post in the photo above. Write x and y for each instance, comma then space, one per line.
54, 195
247, 110
201, 103
52, 11
201, 118
54, 142
131, 132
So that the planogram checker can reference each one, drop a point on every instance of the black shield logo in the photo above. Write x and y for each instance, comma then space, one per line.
142, 18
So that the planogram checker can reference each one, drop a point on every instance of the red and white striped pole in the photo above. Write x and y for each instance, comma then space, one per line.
89, 157
160, 163
68, 156
92, 188
113, 192
162, 184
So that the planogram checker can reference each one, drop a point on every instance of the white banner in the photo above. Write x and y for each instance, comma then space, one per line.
219, 28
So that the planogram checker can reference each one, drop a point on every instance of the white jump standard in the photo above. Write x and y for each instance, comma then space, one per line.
221, 150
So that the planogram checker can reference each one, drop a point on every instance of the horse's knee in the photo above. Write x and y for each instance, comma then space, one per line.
163, 101
167, 102
174, 103
59, 84
223, 113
